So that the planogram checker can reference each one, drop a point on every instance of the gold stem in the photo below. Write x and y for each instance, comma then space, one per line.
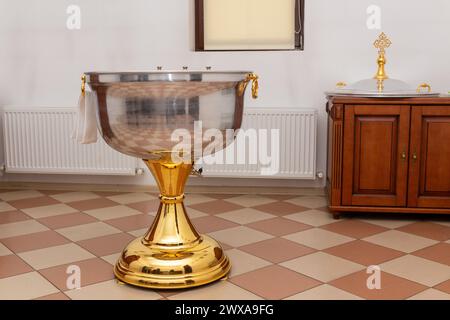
381, 73
171, 228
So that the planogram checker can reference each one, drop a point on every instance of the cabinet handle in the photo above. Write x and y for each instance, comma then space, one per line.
414, 156
403, 155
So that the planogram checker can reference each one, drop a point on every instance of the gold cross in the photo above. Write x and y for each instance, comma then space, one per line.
382, 43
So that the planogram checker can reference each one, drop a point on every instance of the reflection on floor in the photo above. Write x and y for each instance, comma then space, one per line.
281, 247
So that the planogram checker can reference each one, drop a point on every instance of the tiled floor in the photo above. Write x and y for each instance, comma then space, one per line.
281, 247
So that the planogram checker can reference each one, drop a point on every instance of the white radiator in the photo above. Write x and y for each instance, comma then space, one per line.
38, 141
297, 130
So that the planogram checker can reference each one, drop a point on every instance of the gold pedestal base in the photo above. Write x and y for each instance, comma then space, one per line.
171, 255
150, 267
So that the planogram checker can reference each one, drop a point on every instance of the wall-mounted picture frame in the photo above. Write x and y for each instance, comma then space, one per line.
249, 25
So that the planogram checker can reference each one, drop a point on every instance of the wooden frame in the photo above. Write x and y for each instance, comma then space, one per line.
200, 31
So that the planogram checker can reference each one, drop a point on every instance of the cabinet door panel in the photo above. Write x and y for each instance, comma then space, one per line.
375, 155
429, 173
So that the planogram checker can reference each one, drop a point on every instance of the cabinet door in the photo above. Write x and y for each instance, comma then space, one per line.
429, 171
375, 166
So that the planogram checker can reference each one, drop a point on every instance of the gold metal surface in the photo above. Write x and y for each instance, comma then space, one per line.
403, 155
341, 84
380, 85
382, 43
423, 86
414, 156
255, 85
83, 83
172, 254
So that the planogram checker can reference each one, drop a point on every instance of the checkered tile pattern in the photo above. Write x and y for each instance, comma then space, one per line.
281, 247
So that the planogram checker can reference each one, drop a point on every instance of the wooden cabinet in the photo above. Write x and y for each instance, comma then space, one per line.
388, 155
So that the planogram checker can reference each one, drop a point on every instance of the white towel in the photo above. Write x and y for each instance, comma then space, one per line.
85, 131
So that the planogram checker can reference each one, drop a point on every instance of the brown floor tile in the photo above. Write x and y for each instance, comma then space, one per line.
92, 204
439, 253
108, 193
55, 296
444, 286
211, 224
280, 208
146, 206
354, 228
277, 250
106, 245
278, 226
281, 197
34, 241
12, 265
215, 207
33, 202
392, 287
274, 282
67, 220
130, 223
221, 195
364, 253
92, 271
12, 216
428, 230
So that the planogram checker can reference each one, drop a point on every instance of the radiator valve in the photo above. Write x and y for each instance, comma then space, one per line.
139, 171
320, 175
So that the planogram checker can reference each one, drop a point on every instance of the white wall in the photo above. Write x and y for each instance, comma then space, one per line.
41, 60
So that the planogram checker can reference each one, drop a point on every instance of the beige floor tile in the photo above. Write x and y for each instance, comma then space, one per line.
25, 286
431, 294
314, 218
389, 223
309, 202
55, 256
250, 200
196, 198
139, 232
49, 211
246, 215
111, 290
132, 197
239, 236
417, 269
4, 206
20, 228
221, 290
87, 231
74, 196
19, 195
112, 212
112, 258
400, 241
324, 292
4, 251
242, 262
318, 239
322, 266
